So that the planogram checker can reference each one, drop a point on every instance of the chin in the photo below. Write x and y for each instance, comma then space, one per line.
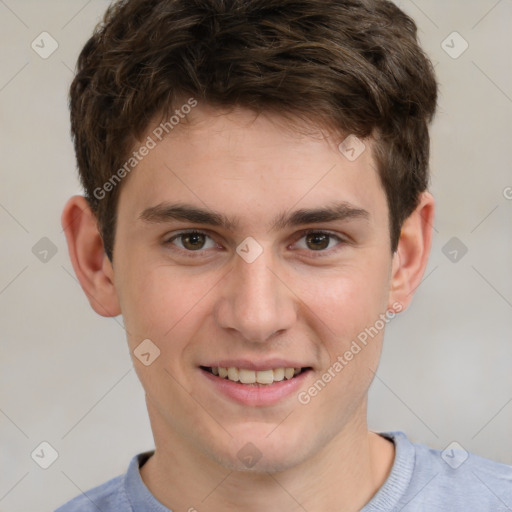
262, 450
274, 463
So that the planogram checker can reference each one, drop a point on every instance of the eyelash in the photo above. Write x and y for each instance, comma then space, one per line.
200, 252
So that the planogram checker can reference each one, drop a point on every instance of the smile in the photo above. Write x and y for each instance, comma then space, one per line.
253, 381
254, 377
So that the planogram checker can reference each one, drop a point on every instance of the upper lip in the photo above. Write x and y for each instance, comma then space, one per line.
252, 364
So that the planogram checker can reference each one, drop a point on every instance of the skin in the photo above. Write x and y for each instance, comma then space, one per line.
287, 303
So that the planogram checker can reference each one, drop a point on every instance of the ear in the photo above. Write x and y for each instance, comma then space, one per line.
411, 257
92, 266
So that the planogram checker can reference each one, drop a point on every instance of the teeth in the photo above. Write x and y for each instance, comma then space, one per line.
255, 377
278, 374
246, 376
265, 376
233, 374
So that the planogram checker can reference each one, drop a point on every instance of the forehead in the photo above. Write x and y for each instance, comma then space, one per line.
243, 164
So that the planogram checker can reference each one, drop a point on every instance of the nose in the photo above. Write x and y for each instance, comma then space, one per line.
256, 301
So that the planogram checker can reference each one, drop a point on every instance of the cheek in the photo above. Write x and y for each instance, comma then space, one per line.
169, 304
349, 304
163, 304
348, 299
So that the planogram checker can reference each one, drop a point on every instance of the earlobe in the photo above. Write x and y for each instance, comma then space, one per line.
92, 267
411, 257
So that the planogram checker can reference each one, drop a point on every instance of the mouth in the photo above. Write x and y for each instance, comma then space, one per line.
255, 378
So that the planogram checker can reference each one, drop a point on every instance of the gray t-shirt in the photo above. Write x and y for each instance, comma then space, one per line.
421, 480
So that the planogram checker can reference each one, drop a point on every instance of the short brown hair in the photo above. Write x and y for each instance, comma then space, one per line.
354, 65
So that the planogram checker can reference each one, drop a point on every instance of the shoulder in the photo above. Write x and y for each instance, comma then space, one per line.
455, 479
110, 496
106, 497
124, 493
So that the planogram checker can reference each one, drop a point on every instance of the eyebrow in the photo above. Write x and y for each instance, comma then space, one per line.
165, 212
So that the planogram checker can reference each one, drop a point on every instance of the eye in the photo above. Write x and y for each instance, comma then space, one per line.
319, 241
192, 241
198, 241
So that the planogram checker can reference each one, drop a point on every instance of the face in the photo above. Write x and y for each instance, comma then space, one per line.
288, 264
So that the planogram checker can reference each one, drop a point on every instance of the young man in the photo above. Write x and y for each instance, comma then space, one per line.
256, 208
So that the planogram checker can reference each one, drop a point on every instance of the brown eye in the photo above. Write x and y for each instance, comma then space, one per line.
318, 241
192, 241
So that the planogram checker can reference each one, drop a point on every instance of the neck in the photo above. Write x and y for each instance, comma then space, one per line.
344, 475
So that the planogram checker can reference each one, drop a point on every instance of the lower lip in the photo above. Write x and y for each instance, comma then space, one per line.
257, 395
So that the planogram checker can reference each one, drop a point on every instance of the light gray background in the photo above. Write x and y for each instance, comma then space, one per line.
65, 373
